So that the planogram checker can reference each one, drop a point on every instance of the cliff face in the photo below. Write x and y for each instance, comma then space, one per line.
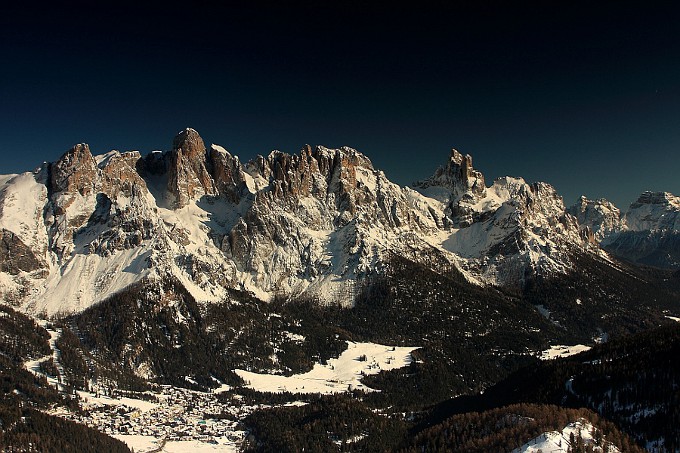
315, 222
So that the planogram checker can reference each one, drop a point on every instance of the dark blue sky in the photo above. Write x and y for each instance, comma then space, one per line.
585, 97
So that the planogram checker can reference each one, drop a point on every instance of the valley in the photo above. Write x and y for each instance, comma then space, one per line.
186, 301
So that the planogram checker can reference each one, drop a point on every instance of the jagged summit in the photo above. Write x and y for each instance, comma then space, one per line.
599, 219
648, 233
458, 175
315, 222
74, 170
649, 197
654, 211
188, 176
190, 143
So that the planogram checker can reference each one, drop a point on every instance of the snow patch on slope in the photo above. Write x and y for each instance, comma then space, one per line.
654, 211
22, 200
559, 351
560, 442
85, 279
338, 375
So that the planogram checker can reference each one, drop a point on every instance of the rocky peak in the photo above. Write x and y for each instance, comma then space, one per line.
312, 221
230, 181
654, 211
458, 175
599, 218
120, 173
316, 171
75, 171
457, 184
462, 165
666, 199
340, 167
188, 176
191, 144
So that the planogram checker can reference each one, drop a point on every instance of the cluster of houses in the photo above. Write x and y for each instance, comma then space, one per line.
177, 414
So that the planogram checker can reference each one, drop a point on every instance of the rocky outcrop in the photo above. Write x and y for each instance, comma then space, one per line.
188, 176
458, 175
119, 173
106, 192
228, 175
314, 222
464, 188
75, 171
302, 206
15, 256
507, 232
73, 185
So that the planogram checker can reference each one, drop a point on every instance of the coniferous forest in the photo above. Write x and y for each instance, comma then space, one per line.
432, 404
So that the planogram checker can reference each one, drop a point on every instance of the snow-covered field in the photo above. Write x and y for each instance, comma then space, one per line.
338, 375
88, 399
559, 442
148, 444
558, 351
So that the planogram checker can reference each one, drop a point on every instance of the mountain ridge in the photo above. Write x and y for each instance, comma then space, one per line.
315, 222
646, 234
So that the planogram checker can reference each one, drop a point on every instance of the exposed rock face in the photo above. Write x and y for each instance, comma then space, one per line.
230, 181
508, 231
119, 173
464, 188
15, 256
313, 222
599, 219
457, 175
188, 176
76, 171
319, 212
106, 192
74, 183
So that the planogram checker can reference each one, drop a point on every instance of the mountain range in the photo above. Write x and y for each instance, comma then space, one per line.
80, 229
188, 268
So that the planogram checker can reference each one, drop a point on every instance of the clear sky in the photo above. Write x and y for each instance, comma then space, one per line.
585, 96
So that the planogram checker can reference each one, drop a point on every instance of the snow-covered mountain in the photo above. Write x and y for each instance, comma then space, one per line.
506, 232
160, 239
80, 229
648, 233
598, 218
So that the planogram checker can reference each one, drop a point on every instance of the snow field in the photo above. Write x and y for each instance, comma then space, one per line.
89, 400
559, 351
338, 375
148, 444
559, 442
